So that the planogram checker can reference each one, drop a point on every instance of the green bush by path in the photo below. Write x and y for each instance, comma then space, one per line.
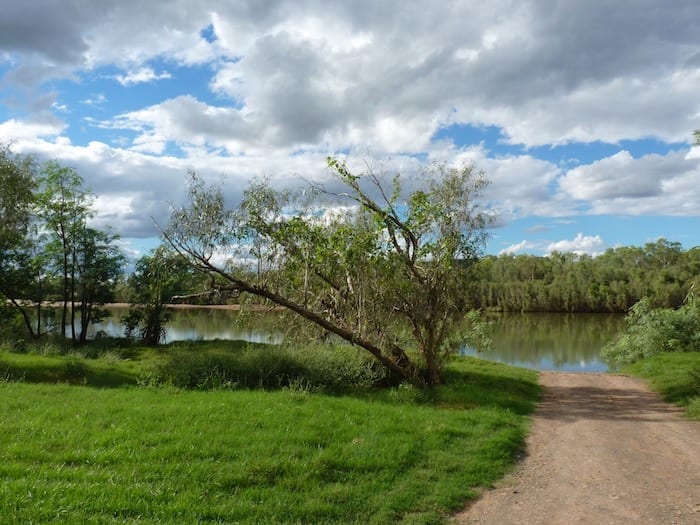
75, 454
651, 331
676, 376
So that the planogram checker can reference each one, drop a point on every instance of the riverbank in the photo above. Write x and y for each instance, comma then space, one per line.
176, 306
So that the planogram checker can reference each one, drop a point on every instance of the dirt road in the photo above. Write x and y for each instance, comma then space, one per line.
603, 449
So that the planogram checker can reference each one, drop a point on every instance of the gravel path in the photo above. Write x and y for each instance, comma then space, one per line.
603, 449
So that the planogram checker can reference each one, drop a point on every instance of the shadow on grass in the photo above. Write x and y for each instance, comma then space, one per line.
467, 382
471, 382
64, 370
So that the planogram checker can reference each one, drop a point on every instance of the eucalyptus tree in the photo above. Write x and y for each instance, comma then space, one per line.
377, 266
18, 179
64, 207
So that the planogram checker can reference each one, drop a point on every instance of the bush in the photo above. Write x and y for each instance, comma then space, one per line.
651, 331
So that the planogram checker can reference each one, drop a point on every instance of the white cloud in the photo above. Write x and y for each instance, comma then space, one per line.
623, 185
581, 244
141, 75
28, 131
186, 121
522, 246
290, 82
349, 71
95, 100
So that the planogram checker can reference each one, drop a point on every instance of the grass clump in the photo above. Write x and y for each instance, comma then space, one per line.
235, 364
164, 455
676, 376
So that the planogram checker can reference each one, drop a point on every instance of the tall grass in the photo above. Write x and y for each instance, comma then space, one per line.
233, 365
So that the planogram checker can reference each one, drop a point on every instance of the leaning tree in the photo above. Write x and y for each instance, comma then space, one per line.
378, 266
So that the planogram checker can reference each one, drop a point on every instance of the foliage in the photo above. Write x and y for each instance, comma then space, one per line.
157, 278
564, 282
98, 265
675, 375
64, 208
651, 331
362, 263
121, 455
18, 178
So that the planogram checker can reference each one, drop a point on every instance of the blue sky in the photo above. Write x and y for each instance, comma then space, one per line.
581, 114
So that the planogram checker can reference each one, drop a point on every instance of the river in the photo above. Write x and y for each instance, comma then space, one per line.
567, 342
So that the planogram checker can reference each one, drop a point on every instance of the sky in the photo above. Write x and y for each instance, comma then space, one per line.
580, 114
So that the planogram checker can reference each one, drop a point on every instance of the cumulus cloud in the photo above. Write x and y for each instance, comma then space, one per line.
48, 36
25, 132
522, 246
141, 75
569, 72
581, 244
651, 184
286, 83
186, 120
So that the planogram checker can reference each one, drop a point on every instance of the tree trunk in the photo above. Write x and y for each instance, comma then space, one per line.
398, 362
25, 317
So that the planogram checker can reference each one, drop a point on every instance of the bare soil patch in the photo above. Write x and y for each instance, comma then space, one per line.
603, 449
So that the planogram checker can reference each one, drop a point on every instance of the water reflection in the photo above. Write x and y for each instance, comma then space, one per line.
200, 324
567, 342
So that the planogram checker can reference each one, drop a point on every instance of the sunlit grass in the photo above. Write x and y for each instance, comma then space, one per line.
676, 376
79, 454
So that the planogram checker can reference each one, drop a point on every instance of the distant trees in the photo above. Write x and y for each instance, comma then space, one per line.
563, 282
48, 250
379, 268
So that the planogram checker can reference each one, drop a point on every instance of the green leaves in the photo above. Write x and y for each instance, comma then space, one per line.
651, 331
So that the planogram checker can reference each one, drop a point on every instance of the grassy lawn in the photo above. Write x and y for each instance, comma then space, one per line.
119, 453
676, 376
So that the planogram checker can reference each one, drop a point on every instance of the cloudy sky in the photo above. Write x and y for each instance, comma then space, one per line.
581, 114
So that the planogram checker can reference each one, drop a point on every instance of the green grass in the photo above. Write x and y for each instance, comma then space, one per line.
127, 454
676, 376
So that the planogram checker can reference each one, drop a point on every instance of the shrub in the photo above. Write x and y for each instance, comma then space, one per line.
651, 331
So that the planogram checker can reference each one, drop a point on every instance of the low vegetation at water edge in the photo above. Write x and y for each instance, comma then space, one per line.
297, 452
651, 331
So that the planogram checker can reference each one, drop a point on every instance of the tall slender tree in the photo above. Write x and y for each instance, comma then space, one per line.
65, 208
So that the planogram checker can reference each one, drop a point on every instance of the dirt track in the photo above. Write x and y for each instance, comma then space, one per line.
603, 449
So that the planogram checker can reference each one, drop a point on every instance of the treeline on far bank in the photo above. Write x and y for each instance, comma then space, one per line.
662, 271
